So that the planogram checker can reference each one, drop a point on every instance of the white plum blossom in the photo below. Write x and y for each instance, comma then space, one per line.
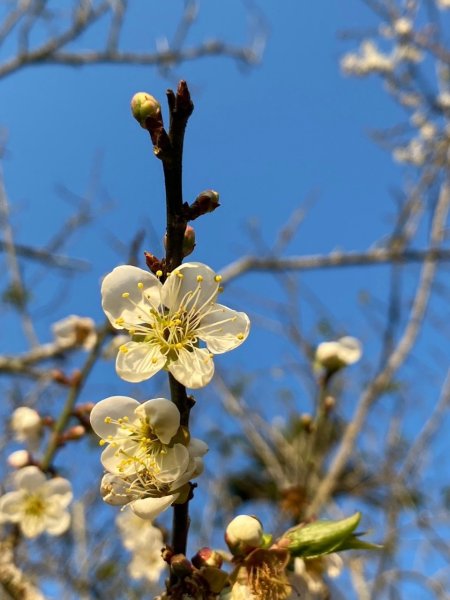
140, 436
167, 321
149, 458
75, 331
338, 354
368, 60
38, 505
145, 542
26, 424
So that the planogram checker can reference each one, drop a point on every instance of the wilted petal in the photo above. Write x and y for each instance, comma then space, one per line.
139, 361
193, 369
223, 329
141, 290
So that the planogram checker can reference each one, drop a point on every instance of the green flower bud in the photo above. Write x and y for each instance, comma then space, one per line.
323, 537
143, 106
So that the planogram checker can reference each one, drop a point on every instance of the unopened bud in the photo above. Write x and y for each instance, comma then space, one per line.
181, 566
329, 403
244, 534
306, 421
74, 433
143, 106
188, 241
333, 356
205, 202
19, 459
207, 557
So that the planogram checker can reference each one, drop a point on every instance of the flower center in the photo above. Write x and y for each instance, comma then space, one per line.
34, 506
137, 444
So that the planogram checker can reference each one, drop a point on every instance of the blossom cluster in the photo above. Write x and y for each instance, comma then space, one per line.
149, 457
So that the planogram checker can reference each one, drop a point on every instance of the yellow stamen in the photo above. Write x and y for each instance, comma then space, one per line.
119, 321
140, 285
180, 275
199, 278
240, 336
126, 295
123, 349
218, 278
159, 273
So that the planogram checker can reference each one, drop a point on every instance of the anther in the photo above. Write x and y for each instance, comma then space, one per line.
180, 275
140, 285
199, 278
159, 273
108, 420
123, 348
240, 336
218, 278
119, 321
126, 295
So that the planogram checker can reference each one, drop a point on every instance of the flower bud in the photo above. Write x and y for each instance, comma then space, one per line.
333, 356
19, 459
74, 433
209, 200
244, 534
26, 423
180, 565
188, 241
206, 557
143, 106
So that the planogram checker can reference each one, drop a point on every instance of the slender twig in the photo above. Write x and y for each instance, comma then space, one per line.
394, 362
335, 259
74, 392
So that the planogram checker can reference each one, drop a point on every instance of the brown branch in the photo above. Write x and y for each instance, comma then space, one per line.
12, 580
335, 259
381, 381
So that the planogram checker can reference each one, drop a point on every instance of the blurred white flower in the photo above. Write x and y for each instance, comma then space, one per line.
414, 153
38, 505
145, 542
166, 322
18, 459
443, 4
403, 26
368, 60
308, 575
75, 331
338, 354
26, 424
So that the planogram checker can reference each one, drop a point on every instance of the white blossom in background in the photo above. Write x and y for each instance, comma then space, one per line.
307, 579
367, 60
38, 505
167, 321
145, 542
338, 354
443, 4
414, 153
26, 424
18, 459
75, 331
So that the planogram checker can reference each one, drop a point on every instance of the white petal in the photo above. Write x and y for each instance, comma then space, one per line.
172, 463
193, 369
163, 416
135, 308
197, 447
57, 524
141, 361
177, 290
114, 407
112, 458
11, 507
149, 508
223, 329
29, 478
60, 490
32, 526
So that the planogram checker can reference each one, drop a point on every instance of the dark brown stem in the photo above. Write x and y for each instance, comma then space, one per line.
180, 107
